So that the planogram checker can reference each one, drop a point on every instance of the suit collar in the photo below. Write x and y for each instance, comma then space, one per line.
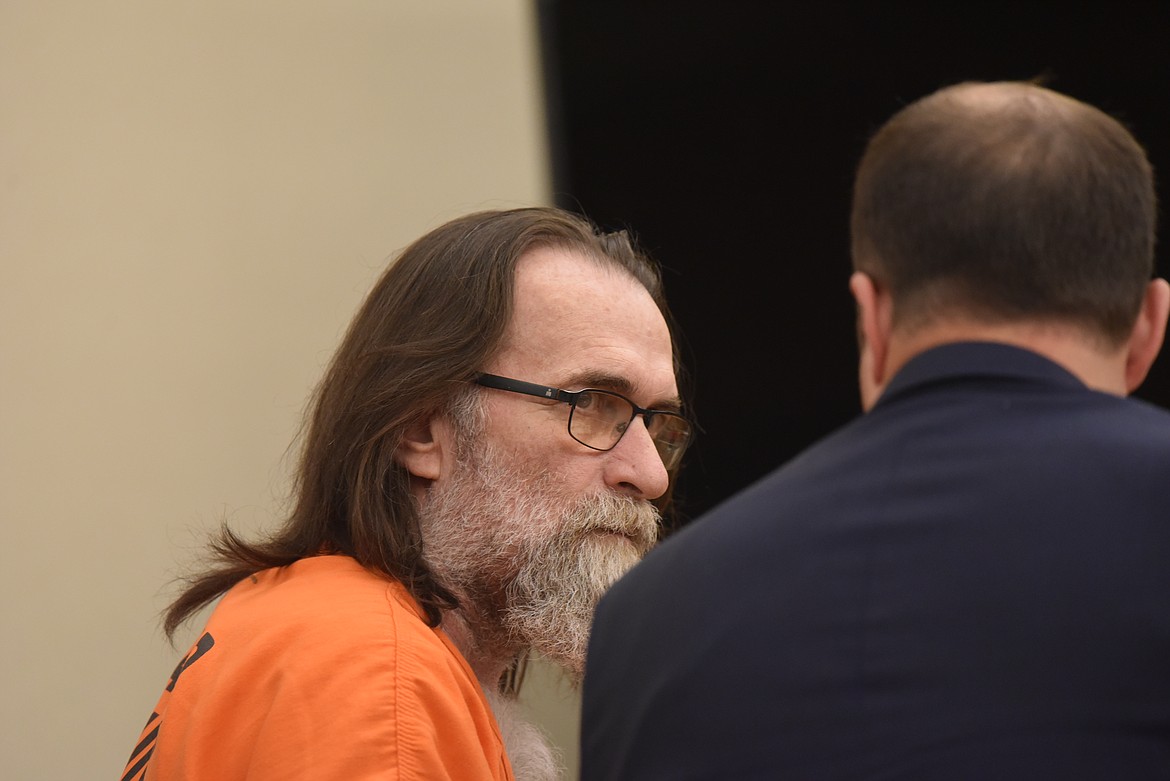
976, 359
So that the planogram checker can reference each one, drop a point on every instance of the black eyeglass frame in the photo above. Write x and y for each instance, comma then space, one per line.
571, 397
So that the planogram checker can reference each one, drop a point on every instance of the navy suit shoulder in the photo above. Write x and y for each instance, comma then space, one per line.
967, 582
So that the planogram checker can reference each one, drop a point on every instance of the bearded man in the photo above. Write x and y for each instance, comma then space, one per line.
489, 450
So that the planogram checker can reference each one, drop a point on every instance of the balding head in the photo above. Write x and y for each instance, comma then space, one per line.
1007, 202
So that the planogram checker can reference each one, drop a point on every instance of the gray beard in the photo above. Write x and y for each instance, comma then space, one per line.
529, 752
528, 565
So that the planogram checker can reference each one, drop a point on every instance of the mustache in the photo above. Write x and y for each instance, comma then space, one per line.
635, 519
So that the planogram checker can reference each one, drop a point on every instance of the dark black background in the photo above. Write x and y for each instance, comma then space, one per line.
725, 134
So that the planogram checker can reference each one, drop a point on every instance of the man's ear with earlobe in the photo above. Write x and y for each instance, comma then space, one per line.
874, 322
1145, 341
422, 450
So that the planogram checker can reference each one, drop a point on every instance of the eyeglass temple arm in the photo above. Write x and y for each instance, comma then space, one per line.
527, 388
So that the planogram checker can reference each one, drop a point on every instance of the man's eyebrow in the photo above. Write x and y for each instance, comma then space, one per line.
617, 384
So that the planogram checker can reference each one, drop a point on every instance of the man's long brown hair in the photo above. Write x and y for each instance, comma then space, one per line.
425, 331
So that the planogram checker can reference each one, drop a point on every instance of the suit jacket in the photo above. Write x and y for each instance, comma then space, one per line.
972, 581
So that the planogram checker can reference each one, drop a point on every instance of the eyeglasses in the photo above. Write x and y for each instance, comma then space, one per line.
599, 418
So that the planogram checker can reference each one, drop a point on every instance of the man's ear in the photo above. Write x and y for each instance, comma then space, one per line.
875, 317
422, 449
1148, 333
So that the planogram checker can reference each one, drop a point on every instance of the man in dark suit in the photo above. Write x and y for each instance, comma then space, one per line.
972, 580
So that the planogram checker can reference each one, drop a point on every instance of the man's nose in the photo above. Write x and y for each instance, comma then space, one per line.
634, 467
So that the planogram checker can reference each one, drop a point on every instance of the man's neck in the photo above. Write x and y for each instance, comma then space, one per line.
1095, 365
529, 752
487, 662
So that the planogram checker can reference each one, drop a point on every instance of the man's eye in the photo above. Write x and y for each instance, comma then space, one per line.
585, 401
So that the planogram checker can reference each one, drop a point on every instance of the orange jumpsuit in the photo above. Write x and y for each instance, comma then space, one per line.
320, 670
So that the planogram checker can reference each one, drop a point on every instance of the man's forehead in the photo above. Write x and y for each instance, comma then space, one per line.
575, 317
567, 280
556, 271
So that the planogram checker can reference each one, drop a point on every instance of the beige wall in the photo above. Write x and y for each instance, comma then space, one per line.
194, 198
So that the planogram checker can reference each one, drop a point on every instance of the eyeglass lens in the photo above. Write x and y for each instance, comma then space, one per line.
599, 420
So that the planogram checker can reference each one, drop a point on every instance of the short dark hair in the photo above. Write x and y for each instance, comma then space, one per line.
425, 331
1008, 202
